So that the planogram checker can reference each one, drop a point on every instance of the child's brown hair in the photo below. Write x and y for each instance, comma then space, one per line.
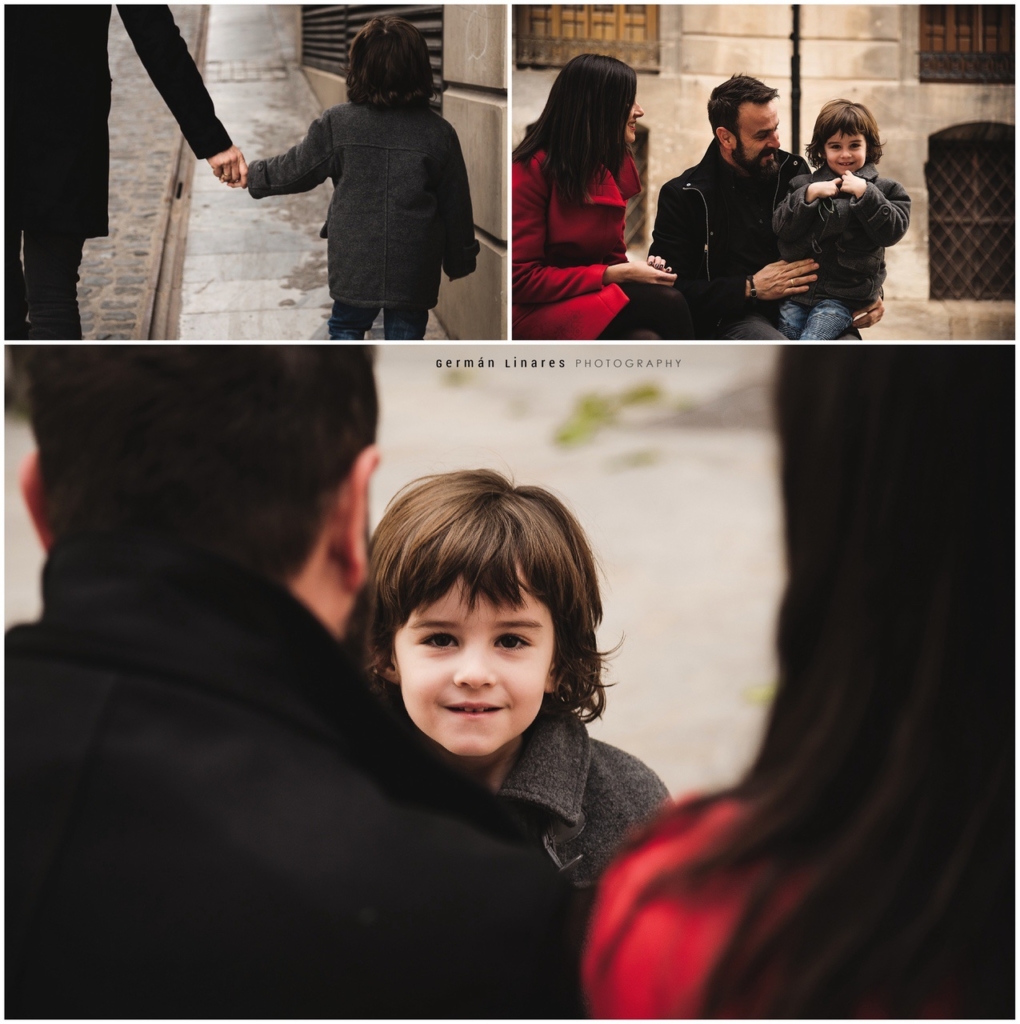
848, 118
389, 65
477, 528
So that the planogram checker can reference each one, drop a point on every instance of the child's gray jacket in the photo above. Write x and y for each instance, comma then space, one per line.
846, 236
401, 207
578, 796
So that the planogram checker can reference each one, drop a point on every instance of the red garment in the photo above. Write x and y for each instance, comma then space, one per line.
561, 250
657, 962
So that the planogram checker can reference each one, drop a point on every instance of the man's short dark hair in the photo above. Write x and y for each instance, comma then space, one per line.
234, 449
389, 65
724, 103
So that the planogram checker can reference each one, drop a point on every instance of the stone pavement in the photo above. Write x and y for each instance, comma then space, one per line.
679, 498
256, 270
117, 272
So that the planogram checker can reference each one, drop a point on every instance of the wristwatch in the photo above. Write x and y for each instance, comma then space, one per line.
754, 291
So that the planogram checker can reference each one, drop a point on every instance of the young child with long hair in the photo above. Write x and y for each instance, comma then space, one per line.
485, 602
401, 207
842, 216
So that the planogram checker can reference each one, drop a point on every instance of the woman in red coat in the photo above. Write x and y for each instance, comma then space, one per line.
865, 865
572, 177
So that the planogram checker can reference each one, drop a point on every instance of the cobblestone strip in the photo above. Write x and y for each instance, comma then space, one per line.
113, 292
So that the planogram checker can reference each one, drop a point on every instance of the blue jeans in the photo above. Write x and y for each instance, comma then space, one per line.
826, 321
349, 323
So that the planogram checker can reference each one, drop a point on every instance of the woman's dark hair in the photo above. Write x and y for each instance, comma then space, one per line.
389, 65
498, 540
582, 126
885, 780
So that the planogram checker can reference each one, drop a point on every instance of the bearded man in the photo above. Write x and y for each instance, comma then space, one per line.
713, 226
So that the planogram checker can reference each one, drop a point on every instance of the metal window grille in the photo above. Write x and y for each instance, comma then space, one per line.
971, 219
636, 229
968, 43
548, 35
327, 31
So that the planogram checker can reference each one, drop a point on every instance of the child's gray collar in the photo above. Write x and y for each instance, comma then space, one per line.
553, 768
869, 172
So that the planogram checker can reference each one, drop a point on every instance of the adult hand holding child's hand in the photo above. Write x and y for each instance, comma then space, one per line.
230, 167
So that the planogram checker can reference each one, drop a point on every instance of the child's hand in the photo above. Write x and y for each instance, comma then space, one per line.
823, 189
852, 184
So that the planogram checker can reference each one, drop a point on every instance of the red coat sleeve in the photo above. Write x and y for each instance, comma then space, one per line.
533, 279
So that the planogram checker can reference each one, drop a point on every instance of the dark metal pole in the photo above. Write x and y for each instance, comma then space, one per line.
795, 81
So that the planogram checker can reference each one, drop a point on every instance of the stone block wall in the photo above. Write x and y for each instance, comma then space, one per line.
475, 103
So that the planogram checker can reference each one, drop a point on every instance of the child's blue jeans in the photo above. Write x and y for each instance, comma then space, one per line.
349, 323
828, 320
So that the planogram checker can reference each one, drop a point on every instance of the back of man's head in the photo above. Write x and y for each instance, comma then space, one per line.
724, 103
233, 449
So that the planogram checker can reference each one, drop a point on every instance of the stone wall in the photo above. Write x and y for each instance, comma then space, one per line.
865, 53
475, 103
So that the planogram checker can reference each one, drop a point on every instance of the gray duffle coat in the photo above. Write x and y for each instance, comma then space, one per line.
579, 797
401, 206
846, 236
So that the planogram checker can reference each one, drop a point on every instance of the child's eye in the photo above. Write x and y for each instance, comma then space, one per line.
511, 641
439, 640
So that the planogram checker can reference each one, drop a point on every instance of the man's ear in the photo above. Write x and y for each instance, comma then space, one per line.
726, 138
31, 482
349, 535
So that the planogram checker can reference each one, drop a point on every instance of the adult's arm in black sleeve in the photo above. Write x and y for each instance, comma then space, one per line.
679, 237
164, 54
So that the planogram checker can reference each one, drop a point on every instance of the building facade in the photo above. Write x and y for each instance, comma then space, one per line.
939, 80
467, 47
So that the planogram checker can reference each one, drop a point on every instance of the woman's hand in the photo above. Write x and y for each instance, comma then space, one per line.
636, 273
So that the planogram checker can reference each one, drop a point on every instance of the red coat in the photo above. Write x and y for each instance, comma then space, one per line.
656, 962
561, 250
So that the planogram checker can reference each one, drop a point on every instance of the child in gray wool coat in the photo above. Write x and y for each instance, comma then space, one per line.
401, 207
484, 606
842, 216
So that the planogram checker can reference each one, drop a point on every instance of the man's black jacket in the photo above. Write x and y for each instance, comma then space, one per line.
692, 233
57, 76
208, 815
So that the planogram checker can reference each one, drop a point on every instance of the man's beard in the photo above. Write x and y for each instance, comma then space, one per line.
755, 167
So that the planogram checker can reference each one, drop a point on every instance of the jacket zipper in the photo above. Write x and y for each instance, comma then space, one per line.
708, 270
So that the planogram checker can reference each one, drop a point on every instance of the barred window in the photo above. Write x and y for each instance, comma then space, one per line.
968, 43
548, 35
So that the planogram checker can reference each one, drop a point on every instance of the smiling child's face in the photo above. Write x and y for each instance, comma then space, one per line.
846, 153
472, 680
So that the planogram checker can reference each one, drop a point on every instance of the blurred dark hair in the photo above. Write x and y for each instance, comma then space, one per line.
844, 117
389, 65
234, 449
582, 128
885, 779
499, 540
724, 103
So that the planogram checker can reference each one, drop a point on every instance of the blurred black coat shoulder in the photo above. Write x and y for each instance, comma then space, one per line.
57, 79
208, 815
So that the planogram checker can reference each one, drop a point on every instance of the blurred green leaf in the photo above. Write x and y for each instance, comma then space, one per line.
634, 460
760, 695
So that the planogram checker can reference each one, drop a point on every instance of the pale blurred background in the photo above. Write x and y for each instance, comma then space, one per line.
672, 471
